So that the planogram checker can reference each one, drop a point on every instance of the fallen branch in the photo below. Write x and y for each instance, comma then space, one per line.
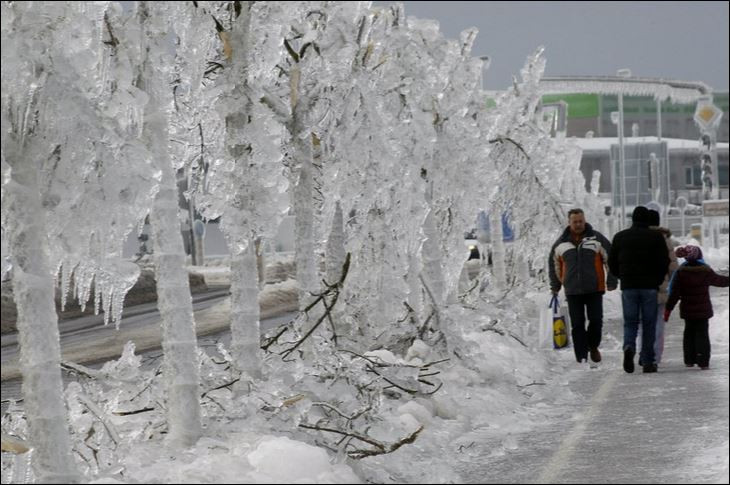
434, 307
334, 289
353, 434
275, 338
392, 384
533, 383
360, 454
100, 414
501, 139
129, 413
71, 366
228, 384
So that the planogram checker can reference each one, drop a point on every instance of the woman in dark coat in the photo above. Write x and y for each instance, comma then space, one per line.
690, 286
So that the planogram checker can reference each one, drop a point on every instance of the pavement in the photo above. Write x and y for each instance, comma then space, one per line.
667, 427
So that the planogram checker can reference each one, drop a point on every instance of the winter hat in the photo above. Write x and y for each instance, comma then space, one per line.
653, 219
690, 253
640, 216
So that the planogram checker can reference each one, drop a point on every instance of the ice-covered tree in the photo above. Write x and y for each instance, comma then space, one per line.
75, 183
525, 156
414, 94
367, 168
245, 185
318, 44
179, 340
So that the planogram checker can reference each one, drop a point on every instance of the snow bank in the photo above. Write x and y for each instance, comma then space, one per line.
718, 259
240, 458
718, 323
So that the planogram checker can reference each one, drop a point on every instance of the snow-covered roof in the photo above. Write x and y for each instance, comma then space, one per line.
604, 143
684, 92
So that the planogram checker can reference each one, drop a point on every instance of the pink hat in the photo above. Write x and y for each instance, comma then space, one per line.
690, 253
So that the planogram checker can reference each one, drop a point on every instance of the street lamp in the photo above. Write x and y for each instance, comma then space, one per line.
616, 182
624, 73
486, 61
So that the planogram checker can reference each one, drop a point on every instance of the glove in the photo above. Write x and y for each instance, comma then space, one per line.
666, 315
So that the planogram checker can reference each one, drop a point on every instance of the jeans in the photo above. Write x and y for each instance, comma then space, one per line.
659, 334
640, 306
578, 306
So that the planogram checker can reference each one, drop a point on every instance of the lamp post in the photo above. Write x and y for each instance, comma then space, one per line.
616, 180
486, 61
625, 73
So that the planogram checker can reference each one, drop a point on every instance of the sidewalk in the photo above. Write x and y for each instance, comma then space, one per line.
668, 427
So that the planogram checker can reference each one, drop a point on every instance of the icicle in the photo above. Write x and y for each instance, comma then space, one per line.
66, 275
22, 471
97, 299
83, 280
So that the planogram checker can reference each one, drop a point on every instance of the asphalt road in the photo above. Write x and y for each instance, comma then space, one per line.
86, 340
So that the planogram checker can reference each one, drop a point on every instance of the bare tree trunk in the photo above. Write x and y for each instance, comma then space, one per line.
432, 260
179, 343
40, 349
415, 292
245, 324
304, 223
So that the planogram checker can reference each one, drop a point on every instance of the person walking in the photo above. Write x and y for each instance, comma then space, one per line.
654, 224
690, 286
638, 257
576, 262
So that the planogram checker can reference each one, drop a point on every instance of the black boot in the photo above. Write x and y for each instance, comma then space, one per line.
595, 355
629, 359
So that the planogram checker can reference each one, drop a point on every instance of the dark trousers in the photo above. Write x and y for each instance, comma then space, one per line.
696, 342
578, 306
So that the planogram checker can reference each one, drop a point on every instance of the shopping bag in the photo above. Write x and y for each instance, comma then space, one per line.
560, 328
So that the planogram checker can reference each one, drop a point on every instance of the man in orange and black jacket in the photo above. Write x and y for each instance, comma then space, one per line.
578, 261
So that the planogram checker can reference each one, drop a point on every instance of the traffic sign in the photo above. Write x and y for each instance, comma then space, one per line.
707, 114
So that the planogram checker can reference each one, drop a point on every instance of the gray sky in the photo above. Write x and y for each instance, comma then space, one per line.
674, 40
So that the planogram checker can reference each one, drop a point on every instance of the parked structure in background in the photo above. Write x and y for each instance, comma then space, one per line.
683, 166
592, 112
683, 151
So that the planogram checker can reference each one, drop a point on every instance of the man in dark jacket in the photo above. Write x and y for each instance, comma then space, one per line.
639, 258
576, 262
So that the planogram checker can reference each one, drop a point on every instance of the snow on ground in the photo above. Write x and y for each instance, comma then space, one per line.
718, 259
506, 389
502, 380
217, 270
238, 457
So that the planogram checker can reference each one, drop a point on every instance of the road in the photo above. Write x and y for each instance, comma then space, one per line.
86, 340
131, 316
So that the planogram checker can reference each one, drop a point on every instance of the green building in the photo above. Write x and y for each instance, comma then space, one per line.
592, 113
